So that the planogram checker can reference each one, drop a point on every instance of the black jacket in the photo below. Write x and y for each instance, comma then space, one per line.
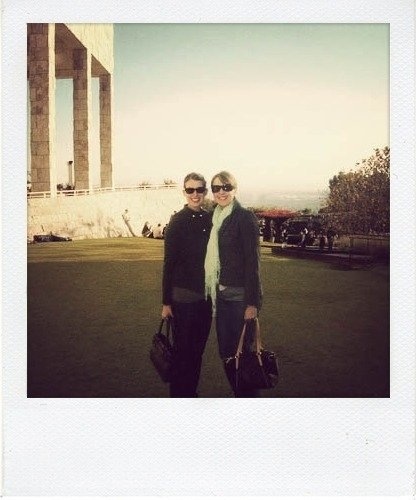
186, 240
239, 249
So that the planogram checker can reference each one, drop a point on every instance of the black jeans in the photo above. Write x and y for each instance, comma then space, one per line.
192, 323
229, 325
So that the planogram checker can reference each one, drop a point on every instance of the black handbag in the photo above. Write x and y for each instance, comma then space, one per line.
257, 369
161, 351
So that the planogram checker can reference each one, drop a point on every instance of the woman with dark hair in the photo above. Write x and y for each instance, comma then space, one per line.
184, 299
232, 269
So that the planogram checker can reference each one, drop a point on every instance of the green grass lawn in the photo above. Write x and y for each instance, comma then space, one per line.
93, 306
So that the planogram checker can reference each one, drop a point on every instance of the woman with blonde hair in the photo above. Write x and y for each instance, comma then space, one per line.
232, 269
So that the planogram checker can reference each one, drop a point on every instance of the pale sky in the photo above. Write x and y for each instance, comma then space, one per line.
281, 106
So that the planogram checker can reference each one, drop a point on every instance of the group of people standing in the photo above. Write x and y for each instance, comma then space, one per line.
211, 269
157, 232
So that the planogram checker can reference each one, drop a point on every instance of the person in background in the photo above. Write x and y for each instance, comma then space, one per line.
126, 216
303, 235
183, 286
232, 269
267, 230
147, 230
284, 237
157, 232
330, 236
126, 219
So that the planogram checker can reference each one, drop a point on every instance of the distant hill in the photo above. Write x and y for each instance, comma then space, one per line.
285, 199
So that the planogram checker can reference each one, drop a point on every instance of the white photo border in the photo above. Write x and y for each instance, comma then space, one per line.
208, 447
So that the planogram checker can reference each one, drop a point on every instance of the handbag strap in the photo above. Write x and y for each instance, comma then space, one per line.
257, 337
168, 326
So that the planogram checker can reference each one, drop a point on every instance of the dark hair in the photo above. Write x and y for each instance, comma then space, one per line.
226, 178
195, 177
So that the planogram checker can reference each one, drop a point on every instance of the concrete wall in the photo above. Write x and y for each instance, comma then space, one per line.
100, 215
98, 38
378, 246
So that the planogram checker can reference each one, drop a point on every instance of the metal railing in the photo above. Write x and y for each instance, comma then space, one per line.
87, 192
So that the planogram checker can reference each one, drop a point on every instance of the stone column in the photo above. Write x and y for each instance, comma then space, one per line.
41, 75
106, 126
82, 118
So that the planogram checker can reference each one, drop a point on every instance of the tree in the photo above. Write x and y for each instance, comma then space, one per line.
359, 200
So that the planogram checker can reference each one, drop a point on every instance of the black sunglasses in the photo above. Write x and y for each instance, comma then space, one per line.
199, 190
225, 187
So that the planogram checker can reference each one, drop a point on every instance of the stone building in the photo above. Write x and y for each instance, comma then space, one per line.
80, 52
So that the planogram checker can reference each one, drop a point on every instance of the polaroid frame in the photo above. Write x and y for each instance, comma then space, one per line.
209, 446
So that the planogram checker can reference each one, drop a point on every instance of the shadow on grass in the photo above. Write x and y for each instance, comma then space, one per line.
94, 305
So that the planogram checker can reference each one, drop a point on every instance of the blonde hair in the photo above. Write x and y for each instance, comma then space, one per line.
226, 178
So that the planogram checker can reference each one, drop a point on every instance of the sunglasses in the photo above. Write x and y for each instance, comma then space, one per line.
225, 187
199, 190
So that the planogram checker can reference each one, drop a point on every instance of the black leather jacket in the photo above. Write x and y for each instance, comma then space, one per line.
239, 249
186, 240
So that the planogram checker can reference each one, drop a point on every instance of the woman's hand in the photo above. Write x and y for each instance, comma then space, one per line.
167, 312
250, 313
